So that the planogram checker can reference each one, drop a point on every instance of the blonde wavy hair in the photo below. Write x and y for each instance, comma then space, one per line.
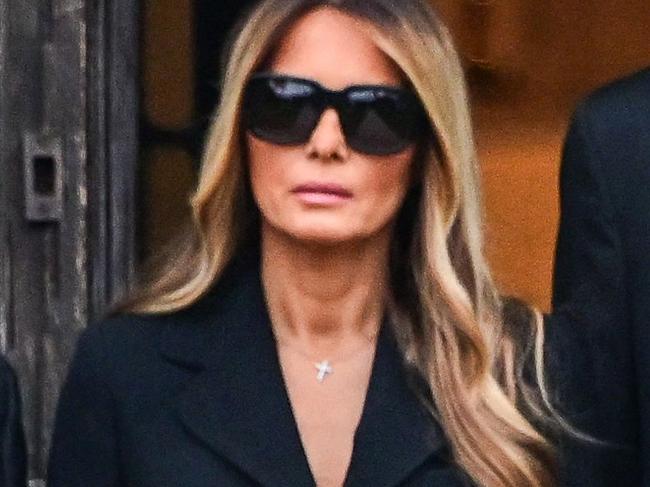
447, 313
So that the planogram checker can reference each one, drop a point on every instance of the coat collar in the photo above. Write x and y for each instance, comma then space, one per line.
238, 406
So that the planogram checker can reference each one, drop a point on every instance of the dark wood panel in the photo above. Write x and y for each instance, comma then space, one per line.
68, 77
24, 260
122, 141
65, 116
113, 49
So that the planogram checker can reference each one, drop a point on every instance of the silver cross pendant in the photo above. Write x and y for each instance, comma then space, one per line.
324, 369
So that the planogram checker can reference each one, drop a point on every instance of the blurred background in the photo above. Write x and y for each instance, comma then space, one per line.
103, 107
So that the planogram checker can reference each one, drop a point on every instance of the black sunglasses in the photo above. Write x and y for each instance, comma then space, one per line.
376, 119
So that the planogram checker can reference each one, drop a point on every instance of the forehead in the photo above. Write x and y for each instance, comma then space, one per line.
334, 49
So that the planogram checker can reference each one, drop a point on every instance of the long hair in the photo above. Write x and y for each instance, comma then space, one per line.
447, 313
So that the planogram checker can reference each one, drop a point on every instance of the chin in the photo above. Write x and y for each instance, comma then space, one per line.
322, 236
322, 232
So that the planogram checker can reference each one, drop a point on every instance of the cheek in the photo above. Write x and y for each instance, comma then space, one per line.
389, 183
266, 174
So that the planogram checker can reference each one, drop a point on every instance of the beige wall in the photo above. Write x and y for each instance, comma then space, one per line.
541, 58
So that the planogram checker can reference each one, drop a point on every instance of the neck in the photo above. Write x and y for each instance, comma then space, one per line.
324, 296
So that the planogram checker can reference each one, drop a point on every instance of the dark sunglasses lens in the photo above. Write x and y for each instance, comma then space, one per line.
381, 122
282, 111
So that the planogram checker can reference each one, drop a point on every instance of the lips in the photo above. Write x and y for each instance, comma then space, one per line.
321, 194
328, 189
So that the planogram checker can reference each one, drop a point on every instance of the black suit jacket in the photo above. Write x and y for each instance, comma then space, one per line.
197, 399
12, 442
602, 270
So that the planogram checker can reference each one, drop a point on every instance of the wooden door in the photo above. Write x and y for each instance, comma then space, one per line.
68, 144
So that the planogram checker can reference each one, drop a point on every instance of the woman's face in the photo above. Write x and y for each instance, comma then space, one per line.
323, 191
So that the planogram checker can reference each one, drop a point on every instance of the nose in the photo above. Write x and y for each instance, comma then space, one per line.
327, 141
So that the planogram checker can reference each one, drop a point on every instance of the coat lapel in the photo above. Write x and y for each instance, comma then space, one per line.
396, 434
237, 404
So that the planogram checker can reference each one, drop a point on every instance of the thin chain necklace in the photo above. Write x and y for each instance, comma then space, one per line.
324, 367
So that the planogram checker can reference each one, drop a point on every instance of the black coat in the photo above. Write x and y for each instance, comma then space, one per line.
602, 271
12, 442
197, 399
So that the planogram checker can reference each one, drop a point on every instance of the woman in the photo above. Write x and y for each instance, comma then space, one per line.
333, 320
